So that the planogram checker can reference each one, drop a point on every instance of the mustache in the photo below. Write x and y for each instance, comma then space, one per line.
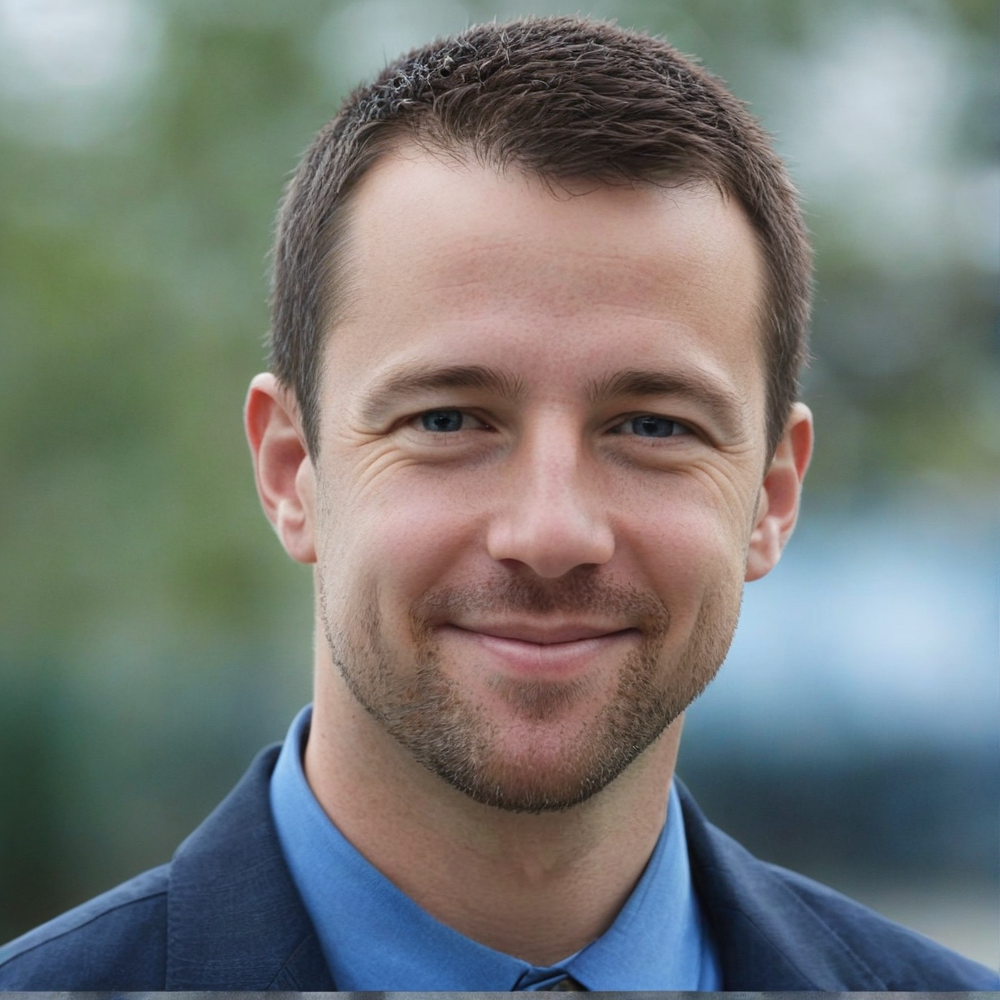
575, 596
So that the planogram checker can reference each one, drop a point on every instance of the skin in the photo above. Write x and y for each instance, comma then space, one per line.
525, 544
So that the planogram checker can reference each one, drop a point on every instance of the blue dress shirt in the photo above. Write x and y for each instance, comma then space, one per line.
375, 937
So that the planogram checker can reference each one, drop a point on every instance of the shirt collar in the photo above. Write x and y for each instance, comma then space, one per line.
375, 937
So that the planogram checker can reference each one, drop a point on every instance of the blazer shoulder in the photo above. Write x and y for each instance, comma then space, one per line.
116, 941
778, 930
902, 958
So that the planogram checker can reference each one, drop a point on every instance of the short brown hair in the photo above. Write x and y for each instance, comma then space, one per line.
559, 97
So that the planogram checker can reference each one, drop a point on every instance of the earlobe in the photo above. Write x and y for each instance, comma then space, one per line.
282, 466
778, 506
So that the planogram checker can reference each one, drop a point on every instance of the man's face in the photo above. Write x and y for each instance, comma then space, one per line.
541, 450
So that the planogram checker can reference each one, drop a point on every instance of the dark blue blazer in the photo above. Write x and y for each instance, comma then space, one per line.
225, 915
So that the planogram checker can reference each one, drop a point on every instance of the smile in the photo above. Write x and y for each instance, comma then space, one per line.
557, 653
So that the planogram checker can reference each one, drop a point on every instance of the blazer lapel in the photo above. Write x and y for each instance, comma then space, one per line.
234, 917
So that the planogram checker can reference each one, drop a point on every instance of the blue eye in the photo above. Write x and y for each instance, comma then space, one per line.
442, 420
652, 427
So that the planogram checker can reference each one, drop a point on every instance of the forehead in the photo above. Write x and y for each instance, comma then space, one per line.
455, 258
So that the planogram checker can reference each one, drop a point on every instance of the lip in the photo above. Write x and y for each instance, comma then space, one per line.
543, 635
555, 653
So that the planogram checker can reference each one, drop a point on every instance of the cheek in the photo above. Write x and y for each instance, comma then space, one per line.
690, 549
404, 537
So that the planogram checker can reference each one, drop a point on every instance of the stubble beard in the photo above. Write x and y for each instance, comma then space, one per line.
454, 737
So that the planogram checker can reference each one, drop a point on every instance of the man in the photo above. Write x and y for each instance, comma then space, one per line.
540, 302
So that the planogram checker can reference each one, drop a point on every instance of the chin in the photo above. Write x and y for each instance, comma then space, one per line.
529, 781
540, 748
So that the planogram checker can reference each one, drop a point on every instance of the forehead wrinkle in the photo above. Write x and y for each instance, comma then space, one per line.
724, 405
411, 378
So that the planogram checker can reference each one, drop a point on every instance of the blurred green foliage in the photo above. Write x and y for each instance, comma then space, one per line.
152, 634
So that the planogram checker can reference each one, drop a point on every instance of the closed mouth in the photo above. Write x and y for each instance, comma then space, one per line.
546, 636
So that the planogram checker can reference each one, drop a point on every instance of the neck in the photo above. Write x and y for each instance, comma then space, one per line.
536, 886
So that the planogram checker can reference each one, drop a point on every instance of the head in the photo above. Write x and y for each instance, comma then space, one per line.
540, 300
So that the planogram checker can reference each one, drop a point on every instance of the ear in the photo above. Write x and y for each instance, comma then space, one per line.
286, 480
778, 505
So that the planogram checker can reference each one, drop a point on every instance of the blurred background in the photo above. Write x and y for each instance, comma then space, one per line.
152, 633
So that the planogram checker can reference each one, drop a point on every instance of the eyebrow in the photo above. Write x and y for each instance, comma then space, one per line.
414, 379
723, 405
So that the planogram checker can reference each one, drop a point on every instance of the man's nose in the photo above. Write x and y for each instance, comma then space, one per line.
550, 516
